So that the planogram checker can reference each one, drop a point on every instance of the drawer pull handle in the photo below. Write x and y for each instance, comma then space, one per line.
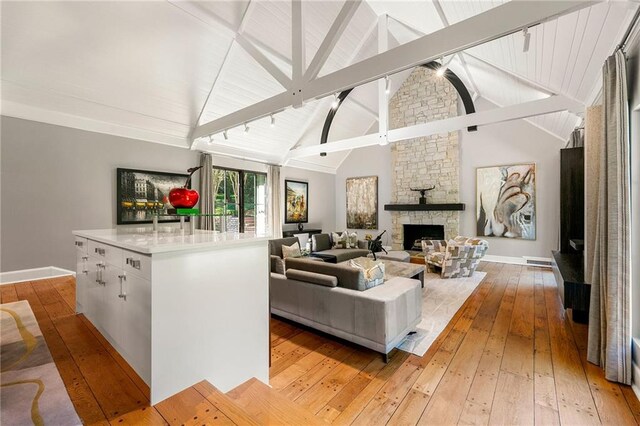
100, 251
79, 243
122, 294
133, 263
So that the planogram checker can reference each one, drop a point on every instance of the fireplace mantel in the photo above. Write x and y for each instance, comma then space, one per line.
424, 207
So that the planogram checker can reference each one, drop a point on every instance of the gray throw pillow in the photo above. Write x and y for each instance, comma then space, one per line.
321, 242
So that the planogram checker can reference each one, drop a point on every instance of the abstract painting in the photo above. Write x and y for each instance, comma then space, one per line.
506, 201
141, 194
362, 202
296, 203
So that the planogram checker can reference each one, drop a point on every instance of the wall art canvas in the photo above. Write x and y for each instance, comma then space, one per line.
506, 201
142, 194
296, 208
362, 202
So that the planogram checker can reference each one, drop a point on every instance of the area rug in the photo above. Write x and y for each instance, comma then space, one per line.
441, 299
32, 390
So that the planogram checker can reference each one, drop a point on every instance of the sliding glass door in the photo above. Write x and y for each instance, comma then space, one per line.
240, 200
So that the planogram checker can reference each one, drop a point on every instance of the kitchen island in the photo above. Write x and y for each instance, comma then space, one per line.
179, 308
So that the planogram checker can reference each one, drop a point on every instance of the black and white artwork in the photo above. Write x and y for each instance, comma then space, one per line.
506, 201
141, 194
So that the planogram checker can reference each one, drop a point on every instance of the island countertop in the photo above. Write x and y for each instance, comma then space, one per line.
167, 239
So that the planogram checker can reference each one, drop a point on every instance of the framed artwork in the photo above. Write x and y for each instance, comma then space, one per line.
141, 193
296, 202
362, 202
506, 201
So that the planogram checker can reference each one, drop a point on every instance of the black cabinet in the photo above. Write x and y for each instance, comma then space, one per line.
568, 262
294, 232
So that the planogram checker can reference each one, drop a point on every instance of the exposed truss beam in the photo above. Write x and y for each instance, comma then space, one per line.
492, 116
333, 35
298, 61
383, 96
482, 28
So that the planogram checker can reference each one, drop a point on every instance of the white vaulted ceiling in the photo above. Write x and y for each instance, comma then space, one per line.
155, 70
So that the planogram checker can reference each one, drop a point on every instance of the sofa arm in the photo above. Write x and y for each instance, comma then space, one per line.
386, 313
434, 246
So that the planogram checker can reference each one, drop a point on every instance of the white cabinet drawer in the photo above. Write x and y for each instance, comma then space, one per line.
109, 254
136, 264
82, 245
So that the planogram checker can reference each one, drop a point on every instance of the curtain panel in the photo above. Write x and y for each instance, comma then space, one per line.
207, 197
609, 315
274, 202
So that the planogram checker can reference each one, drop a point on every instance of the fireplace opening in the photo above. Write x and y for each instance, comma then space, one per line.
414, 234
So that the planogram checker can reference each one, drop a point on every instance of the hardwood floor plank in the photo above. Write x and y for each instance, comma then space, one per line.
575, 402
145, 416
8, 293
224, 404
287, 376
137, 380
513, 401
189, 407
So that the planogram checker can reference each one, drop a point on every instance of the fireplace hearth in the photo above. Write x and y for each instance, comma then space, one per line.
413, 234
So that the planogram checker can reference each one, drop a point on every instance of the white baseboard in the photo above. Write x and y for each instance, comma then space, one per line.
513, 260
33, 274
635, 369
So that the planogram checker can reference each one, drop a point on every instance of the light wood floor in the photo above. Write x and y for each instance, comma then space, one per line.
509, 356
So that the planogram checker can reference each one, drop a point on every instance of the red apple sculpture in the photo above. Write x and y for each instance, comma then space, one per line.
184, 197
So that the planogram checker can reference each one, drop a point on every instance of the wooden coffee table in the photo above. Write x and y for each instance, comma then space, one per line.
397, 269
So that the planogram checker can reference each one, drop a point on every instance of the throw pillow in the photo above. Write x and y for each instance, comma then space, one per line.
353, 240
339, 240
373, 273
291, 251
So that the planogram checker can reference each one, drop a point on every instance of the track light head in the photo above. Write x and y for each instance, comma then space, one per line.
226, 136
336, 101
527, 40
387, 85
210, 141
273, 121
246, 128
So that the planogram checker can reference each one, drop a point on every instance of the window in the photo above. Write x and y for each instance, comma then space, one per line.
240, 200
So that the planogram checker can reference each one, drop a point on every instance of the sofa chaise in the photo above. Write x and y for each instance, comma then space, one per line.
322, 247
331, 298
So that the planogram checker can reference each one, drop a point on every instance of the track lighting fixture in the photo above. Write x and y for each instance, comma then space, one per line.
226, 136
527, 40
246, 128
387, 85
210, 141
273, 121
336, 101
443, 67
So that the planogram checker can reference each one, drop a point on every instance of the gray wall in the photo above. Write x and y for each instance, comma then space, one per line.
56, 179
322, 201
370, 161
513, 142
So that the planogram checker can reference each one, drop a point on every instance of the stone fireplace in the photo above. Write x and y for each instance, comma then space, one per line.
426, 161
412, 233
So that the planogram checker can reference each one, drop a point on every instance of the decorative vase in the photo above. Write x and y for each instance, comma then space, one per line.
184, 197
300, 226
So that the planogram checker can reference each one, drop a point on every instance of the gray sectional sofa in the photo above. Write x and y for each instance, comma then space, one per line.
331, 298
321, 246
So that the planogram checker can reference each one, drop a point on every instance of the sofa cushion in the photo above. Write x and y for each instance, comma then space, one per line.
312, 277
320, 242
342, 255
275, 246
291, 251
277, 264
347, 276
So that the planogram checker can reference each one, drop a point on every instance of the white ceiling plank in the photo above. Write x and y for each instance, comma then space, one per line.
492, 116
482, 28
333, 35
487, 26
259, 57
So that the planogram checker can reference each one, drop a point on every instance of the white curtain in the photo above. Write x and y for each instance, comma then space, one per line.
609, 313
274, 202
207, 197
